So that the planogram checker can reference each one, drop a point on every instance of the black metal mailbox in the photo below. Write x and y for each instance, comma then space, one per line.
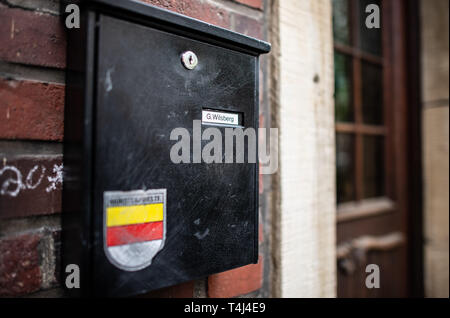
134, 220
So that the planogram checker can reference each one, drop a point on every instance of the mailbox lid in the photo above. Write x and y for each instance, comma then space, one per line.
143, 93
179, 24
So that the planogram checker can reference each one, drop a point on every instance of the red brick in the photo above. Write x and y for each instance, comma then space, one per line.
19, 265
260, 176
56, 236
260, 231
30, 185
247, 26
261, 121
185, 290
261, 83
32, 38
258, 4
235, 282
31, 110
200, 10
260, 181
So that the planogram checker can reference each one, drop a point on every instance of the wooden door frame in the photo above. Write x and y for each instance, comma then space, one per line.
416, 245
403, 151
404, 50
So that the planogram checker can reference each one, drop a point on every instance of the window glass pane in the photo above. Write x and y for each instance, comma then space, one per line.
345, 167
343, 87
369, 39
372, 93
373, 166
341, 26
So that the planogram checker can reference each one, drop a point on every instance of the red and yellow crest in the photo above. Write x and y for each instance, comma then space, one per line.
134, 227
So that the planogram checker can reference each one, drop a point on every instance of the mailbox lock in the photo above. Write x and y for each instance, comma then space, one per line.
189, 60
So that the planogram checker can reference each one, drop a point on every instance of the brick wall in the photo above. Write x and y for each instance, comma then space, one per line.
32, 62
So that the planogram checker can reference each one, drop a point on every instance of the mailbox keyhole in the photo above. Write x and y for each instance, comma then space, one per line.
189, 60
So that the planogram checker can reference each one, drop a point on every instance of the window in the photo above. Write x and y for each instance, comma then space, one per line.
360, 107
373, 145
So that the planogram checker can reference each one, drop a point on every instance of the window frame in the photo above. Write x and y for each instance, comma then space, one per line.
360, 206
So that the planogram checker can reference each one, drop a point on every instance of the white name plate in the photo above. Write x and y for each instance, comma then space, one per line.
215, 117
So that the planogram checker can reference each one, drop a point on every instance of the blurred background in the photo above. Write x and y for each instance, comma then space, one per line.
359, 91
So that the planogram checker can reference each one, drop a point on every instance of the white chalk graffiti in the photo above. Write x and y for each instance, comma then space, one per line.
29, 179
15, 183
57, 179
11, 181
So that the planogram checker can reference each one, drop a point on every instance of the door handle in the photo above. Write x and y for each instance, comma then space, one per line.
354, 252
